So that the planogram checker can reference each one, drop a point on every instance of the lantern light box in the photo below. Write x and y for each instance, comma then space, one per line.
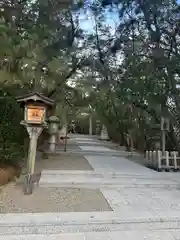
35, 114
36, 106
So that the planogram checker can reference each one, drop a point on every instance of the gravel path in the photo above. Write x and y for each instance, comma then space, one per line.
63, 162
51, 200
13, 200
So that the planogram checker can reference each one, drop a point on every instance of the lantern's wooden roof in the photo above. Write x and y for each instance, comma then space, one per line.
35, 96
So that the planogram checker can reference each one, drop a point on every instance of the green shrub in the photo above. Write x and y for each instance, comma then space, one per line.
12, 134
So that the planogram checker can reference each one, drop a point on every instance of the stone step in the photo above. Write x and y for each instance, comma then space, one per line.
106, 184
97, 143
58, 223
81, 179
61, 236
105, 174
91, 153
125, 235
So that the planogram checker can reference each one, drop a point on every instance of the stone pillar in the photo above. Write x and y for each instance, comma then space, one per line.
53, 130
90, 125
163, 142
73, 127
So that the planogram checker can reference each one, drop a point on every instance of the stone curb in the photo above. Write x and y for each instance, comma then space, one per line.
125, 235
47, 224
78, 218
107, 185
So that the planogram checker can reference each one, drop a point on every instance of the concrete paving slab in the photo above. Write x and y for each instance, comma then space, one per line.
96, 149
119, 164
133, 235
89, 142
84, 139
143, 199
88, 218
62, 236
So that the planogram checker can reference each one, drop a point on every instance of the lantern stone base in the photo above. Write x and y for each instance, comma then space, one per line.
52, 143
104, 134
104, 137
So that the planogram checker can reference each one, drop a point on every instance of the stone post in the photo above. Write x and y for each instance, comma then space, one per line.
34, 133
165, 126
90, 125
163, 142
66, 136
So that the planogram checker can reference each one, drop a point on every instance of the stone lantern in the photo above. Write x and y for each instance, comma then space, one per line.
53, 130
98, 127
73, 126
104, 134
36, 110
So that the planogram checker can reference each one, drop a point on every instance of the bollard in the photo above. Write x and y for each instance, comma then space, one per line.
154, 159
174, 155
159, 157
150, 157
147, 154
167, 158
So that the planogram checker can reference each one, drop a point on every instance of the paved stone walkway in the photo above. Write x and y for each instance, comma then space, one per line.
145, 203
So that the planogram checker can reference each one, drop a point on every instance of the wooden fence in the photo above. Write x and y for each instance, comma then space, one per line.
169, 161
